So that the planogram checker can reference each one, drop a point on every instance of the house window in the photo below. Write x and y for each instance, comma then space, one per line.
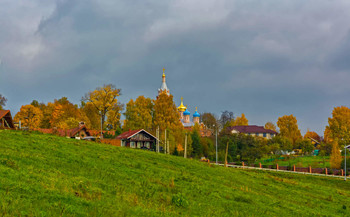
264, 135
147, 145
138, 144
132, 144
123, 143
257, 134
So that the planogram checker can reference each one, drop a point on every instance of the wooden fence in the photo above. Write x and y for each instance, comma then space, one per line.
115, 142
325, 171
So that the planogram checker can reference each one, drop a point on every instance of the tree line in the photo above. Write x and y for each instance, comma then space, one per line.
101, 107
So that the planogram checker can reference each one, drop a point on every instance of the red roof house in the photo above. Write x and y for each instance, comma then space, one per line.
137, 139
253, 130
6, 119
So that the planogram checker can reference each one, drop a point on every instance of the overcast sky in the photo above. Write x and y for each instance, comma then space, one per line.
262, 58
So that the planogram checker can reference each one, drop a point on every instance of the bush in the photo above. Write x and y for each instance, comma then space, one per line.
179, 200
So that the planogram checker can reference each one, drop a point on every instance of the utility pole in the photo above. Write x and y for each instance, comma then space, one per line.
168, 148
101, 125
165, 145
185, 152
226, 154
216, 143
345, 163
157, 134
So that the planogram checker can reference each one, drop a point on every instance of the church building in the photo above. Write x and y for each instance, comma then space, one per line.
185, 115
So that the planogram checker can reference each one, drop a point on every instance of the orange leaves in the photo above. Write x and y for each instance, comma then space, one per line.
270, 126
289, 128
339, 124
240, 121
29, 116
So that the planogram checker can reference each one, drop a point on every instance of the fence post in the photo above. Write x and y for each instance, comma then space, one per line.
310, 169
276, 166
293, 168
342, 172
260, 164
326, 171
243, 164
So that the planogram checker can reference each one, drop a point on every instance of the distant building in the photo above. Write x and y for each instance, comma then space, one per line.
6, 120
164, 87
253, 130
79, 132
137, 139
185, 115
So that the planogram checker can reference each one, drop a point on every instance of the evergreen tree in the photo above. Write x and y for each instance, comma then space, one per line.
196, 145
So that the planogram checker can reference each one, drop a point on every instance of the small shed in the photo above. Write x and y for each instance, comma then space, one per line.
6, 119
137, 139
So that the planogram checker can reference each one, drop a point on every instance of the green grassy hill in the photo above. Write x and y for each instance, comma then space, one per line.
43, 175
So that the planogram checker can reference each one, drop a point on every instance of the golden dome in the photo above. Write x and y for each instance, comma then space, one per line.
182, 108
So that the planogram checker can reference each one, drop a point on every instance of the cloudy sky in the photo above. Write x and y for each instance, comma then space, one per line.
262, 58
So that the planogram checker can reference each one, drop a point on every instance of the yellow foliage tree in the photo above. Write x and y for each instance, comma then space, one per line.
270, 126
139, 114
336, 158
339, 125
29, 116
91, 115
240, 121
288, 126
104, 99
113, 116
166, 117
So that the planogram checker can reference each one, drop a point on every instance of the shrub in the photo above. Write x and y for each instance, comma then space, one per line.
179, 200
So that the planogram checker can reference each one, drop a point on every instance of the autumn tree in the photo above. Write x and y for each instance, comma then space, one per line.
240, 121
226, 119
113, 116
288, 126
66, 115
89, 110
209, 120
104, 99
139, 114
313, 135
270, 126
336, 158
339, 125
197, 149
3, 101
29, 116
166, 117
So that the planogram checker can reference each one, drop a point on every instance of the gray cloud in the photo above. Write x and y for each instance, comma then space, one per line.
265, 59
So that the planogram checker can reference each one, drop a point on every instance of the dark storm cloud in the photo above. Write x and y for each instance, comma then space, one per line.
263, 58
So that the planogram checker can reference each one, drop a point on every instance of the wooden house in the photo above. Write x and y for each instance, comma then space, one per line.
137, 139
6, 120
253, 130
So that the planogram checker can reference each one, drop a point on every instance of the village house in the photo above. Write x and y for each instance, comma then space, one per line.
137, 139
6, 120
79, 132
253, 130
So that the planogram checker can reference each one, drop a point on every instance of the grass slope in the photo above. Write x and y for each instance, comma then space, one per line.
43, 175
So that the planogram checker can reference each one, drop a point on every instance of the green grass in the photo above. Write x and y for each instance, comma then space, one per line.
43, 175
302, 161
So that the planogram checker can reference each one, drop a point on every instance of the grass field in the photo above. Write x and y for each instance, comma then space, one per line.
43, 175
302, 161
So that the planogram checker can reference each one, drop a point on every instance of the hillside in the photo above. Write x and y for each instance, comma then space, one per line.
43, 175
